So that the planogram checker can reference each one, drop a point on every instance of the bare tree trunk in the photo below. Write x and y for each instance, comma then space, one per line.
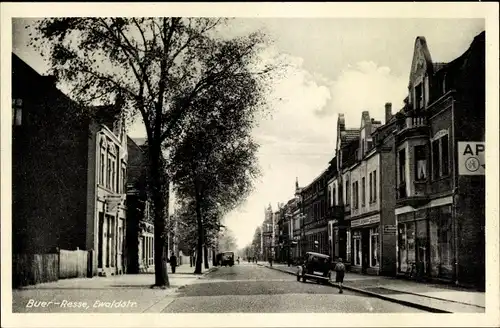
205, 255
161, 276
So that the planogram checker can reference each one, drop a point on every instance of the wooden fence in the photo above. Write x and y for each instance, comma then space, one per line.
73, 264
31, 269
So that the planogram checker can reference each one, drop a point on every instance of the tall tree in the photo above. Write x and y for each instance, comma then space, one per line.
159, 66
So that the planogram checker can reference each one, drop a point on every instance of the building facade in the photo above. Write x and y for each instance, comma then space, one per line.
440, 200
315, 222
140, 228
372, 222
68, 178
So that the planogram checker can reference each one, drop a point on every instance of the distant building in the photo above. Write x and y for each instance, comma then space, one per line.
337, 227
140, 227
314, 205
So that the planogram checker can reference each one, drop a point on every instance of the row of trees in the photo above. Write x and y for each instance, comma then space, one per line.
198, 94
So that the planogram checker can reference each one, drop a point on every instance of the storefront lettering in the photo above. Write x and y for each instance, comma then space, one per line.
390, 229
365, 221
471, 159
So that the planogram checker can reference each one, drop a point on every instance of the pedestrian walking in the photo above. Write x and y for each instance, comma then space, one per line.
340, 272
173, 262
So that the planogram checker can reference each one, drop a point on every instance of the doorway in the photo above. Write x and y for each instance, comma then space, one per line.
365, 249
100, 237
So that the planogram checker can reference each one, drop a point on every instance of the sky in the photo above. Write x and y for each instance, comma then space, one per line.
337, 65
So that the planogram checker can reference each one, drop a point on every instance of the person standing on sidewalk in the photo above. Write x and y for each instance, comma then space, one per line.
340, 272
173, 262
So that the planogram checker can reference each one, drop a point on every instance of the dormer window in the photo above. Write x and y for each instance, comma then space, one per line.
419, 96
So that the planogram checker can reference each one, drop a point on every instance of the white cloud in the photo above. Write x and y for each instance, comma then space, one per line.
299, 139
366, 86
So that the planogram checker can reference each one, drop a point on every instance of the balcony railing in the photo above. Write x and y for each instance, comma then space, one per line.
411, 122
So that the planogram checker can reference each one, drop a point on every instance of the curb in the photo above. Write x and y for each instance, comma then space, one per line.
212, 269
385, 298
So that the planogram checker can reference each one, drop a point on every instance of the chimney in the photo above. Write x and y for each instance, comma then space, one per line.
388, 111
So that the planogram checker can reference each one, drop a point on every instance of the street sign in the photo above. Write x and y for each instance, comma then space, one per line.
389, 229
471, 158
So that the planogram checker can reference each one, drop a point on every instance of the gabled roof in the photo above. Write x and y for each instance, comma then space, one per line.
350, 134
438, 66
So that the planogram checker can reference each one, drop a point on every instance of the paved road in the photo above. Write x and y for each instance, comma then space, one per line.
251, 288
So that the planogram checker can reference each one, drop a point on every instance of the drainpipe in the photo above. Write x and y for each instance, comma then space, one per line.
455, 191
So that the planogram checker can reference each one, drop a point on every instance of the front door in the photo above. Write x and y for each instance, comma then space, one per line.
365, 249
100, 238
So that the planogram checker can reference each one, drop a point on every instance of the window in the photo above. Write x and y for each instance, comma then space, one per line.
370, 188
17, 111
363, 192
374, 247
330, 202
347, 192
356, 238
348, 248
444, 155
375, 186
124, 180
108, 175
402, 166
419, 96
440, 157
103, 165
420, 163
354, 198
435, 159
334, 196
113, 175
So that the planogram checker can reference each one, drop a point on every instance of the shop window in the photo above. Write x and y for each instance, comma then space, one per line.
374, 247
420, 163
406, 245
363, 192
336, 242
442, 242
421, 246
356, 238
348, 246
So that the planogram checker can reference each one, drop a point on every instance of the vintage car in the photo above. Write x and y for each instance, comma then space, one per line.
227, 259
316, 267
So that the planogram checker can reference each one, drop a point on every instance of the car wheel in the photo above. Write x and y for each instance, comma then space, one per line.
298, 278
304, 279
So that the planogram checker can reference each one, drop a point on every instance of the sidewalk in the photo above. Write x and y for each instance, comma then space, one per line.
429, 297
129, 293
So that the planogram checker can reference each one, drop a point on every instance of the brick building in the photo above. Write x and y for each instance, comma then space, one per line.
337, 228
69, 170
140, 228
440, 210
315, 222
